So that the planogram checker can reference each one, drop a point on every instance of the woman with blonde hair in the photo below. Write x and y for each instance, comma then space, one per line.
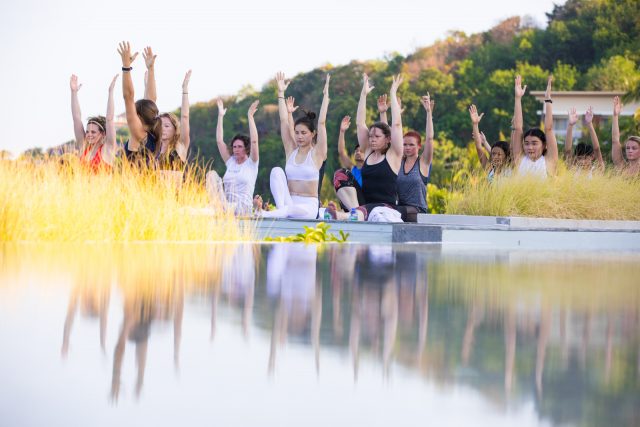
630, 166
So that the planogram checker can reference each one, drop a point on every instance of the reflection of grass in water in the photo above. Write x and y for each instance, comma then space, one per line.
598, 284
50, 202
568, 195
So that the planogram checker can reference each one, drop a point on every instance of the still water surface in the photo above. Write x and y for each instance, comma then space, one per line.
288, 334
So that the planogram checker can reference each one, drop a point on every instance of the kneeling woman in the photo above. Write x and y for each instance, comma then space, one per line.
296, 193
242, 166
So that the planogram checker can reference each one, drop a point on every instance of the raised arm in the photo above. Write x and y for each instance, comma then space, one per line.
597, 153
477, 138
361, 116
320, 151
287, 138
427, 152
110, 136
552, 145
253, 131
568, 143
185, 139
516, 147
291, 108
343, 156
78, 127
222, 147
396, 118
150, 78
136, 129
616, 147
382, 108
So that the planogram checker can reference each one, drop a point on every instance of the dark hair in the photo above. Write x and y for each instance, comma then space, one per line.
414, 134
386, 130
583, 149
356, 146
535, 132
504, 146
148, 112
99, 121
245, 140
308, 120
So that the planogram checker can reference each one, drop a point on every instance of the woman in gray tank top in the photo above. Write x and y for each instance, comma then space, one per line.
415, 169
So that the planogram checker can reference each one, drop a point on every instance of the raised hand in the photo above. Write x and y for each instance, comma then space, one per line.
124, 49
519, 89
345, 123
400, 104
325, 91
617, 106
221, 110
149, 57
282, 83
382, 104
185, 82
573, 117
547, 93
365, 84
397, 81
252, 108
588, 116
428, 103
475, 117
291, 107
73, 83
113, 82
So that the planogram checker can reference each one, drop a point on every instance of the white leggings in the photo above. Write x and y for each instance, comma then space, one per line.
288, 206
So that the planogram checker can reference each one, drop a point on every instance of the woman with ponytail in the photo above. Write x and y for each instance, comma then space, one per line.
296, 192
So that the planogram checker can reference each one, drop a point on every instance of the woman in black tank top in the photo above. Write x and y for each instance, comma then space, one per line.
382, 146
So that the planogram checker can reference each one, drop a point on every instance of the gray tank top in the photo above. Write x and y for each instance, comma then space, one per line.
412, 187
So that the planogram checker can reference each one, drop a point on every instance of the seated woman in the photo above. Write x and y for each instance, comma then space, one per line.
348, 179
631, 166
98, 143
496, 158
537, 153
413, 176
382, 147
582, 157
142, 115
296, 193
242, 165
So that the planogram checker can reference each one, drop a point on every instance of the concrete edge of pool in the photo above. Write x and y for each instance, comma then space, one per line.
478, 231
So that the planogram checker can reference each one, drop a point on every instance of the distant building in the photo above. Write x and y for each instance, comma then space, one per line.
602, 103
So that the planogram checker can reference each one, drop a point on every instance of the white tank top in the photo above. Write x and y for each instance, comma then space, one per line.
240, 180
305, 171
529, 167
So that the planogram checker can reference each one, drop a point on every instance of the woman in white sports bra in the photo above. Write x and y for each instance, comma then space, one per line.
537, 153
296, 192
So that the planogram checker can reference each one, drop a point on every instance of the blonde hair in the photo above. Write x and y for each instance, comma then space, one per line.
176, 136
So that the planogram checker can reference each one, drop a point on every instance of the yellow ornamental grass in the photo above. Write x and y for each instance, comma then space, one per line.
54, 201
570, 195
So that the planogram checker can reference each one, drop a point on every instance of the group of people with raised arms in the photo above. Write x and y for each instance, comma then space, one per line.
384, 181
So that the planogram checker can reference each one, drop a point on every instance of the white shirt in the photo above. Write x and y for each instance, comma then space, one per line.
529, 167
239, 182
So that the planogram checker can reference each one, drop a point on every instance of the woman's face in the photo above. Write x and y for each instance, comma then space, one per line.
632, 149
533, 147
411, 147
168, 131
93, 135
377, 140
303, 135
584, 162
498, 157
239, 151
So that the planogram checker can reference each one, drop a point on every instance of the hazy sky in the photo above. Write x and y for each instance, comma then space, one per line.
227, 45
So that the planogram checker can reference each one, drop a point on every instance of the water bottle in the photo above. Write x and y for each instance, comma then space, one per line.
353, 216
327, 215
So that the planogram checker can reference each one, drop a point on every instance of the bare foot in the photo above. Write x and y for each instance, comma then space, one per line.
336, 213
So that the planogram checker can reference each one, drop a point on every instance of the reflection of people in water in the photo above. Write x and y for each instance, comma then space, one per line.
94, 302
291, 282
238, 281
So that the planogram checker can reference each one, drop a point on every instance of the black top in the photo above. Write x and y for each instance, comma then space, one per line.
379, 182
145, 154
171, 162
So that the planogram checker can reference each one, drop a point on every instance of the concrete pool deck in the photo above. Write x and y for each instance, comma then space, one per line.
478, 231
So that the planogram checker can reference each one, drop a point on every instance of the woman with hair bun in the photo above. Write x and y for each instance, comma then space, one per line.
242, 164
537, 153
142, 115
98, 143
296, 192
